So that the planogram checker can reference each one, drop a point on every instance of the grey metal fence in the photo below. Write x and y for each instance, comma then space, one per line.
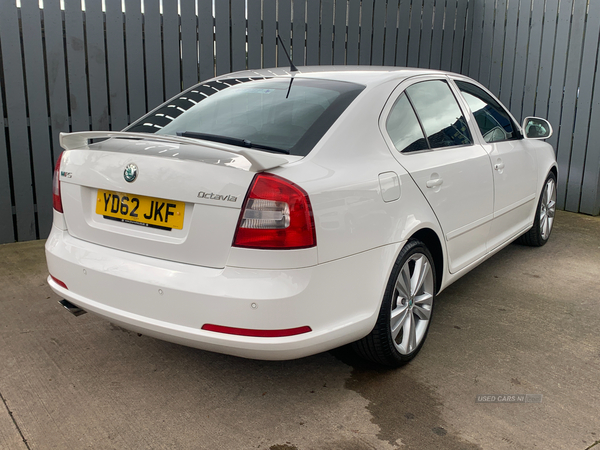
88, 68
541, 58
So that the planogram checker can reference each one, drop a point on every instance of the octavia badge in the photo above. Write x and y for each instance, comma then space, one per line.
131, 173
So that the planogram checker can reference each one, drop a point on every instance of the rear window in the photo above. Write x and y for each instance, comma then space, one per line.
290, 114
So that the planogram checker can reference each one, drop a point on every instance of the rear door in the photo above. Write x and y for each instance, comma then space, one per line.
430, 138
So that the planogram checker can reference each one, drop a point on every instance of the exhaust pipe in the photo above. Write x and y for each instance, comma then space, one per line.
73, 309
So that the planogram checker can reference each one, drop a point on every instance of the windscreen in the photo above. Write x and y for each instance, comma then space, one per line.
287, 114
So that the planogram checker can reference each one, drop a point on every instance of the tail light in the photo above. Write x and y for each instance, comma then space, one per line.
276, 215
56, 199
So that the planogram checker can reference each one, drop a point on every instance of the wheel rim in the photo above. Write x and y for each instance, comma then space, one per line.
548, 208
412, 303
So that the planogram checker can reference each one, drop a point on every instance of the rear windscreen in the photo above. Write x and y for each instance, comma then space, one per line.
291, 114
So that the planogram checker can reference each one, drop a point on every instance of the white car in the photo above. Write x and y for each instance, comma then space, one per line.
275, 214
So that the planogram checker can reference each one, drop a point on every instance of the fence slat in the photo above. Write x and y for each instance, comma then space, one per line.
414, 42
172, 60
436, 38
38, 117
366, 32
508, 59
516, 99
7, 231
78, 86
96, 60
498, 47
298, 32
312, 33
533, 59
223, 45
378, 33
136, 83
576, 182
284, 29
153, 52
487, 41
543, 87
339, 33
325, 44
590, 195
206, 40
448, 35
353, 37
269, 32
14, 89
426, 34
459, 36
56, 73
254, 34
558, 76
392, 47
189, 38
468, 46
238, 35
115, 51
477, 36
567, 121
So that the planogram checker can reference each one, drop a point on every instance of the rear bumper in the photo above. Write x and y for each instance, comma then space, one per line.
338, 300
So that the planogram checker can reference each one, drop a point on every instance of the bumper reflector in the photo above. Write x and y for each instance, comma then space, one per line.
60, 283
256, 333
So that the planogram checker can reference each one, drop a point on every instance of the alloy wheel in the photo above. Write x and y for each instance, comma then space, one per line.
548, 208
412, 303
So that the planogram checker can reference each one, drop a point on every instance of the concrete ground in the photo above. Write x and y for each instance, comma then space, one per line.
524, 322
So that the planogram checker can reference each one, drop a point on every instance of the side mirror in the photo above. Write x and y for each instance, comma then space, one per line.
536, 128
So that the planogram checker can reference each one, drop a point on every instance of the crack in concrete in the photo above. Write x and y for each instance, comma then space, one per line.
593, 445
14, 421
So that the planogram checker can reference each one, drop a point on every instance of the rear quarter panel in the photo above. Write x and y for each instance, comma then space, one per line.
341, 176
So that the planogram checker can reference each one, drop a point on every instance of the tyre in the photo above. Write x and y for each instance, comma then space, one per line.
406, 309
539, 233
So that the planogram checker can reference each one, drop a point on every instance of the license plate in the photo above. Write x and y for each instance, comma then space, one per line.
140, 210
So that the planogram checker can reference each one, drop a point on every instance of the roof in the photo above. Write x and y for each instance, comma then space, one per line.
356, 74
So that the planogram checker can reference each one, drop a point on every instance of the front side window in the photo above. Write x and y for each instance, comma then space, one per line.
285, 114
439, 113
493, 121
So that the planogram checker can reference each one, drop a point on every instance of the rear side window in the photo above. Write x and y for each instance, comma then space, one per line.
493, 121
439, 114
403, 127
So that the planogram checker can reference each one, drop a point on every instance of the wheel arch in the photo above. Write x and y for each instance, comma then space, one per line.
554, 170
433, 244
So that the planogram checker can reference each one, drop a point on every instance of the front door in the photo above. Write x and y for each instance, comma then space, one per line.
513, 164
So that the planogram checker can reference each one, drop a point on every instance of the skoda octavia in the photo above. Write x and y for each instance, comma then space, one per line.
275, 214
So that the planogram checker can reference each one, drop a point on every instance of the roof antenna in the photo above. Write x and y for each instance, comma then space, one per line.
292, 66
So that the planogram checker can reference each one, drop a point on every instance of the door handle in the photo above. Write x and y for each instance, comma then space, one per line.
434, 183
499, 166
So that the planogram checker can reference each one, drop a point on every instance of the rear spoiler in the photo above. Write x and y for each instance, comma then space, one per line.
259, 160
